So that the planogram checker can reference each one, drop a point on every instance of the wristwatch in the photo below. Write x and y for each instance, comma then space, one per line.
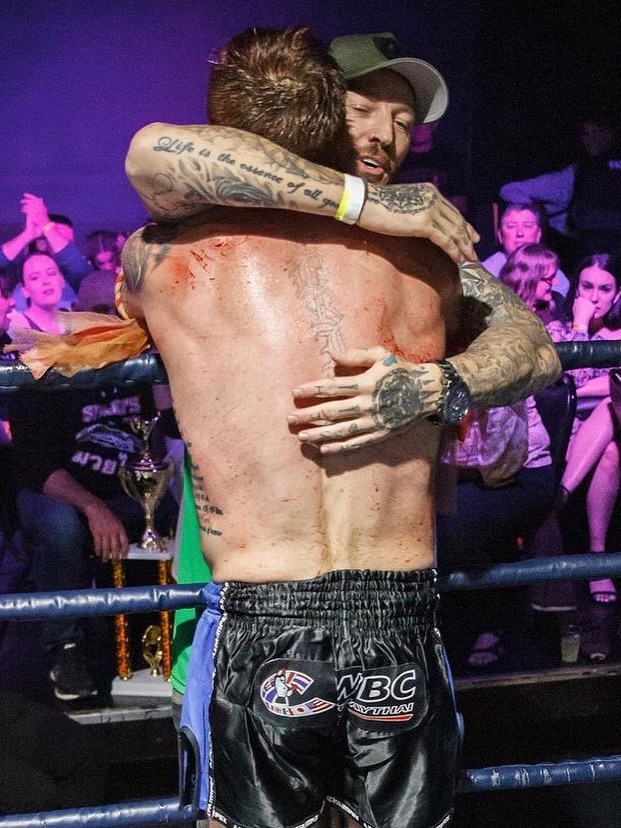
454, 402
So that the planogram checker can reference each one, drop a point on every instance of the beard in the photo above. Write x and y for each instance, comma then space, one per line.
374, 164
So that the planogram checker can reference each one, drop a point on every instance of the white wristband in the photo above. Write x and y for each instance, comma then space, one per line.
352, 200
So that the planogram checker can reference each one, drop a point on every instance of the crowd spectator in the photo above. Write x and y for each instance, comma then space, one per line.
75, 516
103, 249
519, 224
506, 482
42, 286
530, 271
51, 233
593, 312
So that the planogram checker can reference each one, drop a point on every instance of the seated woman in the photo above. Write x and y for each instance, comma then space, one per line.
43, 285
506, 485
530, 271
505, 490
592, 312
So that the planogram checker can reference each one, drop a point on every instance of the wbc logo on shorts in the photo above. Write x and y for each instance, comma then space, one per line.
282, 693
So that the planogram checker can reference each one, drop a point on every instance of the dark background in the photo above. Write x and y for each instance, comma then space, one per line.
78, 79
539, 68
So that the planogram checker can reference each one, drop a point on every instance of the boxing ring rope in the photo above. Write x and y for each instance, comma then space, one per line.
148, 368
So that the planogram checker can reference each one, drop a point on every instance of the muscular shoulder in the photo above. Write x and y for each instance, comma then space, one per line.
145, 249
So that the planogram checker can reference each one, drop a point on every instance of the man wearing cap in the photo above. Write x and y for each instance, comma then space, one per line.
180, 170
324, 678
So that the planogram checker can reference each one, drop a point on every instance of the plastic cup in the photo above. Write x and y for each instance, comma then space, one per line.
570, 643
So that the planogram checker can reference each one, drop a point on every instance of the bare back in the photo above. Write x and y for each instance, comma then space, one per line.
240, 318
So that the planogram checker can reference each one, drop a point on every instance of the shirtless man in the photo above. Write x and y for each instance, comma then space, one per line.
180, 170
330, 679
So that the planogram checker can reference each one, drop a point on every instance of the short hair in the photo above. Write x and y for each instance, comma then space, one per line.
281, 84
517, 207
525, 268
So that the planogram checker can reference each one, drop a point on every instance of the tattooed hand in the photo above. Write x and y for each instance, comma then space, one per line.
419, 210
371, 406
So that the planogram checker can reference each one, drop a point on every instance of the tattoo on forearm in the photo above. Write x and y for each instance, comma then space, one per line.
512, 356
200, 174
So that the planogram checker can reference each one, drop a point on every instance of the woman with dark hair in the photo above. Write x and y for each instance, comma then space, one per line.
103, 249
593, 312
42, 284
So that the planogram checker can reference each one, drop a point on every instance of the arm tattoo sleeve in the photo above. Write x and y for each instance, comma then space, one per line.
510, 355
222, 166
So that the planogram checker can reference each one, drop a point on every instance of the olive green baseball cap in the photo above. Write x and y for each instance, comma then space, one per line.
359, 55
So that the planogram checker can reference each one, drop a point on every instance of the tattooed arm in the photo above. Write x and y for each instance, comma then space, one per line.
511, 354
179, 171
510, 358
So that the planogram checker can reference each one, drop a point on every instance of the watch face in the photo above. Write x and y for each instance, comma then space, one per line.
457, 403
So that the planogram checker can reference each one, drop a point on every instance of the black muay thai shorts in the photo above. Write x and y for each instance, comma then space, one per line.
334, 689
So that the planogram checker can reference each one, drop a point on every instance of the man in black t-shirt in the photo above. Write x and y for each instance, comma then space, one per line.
69, 446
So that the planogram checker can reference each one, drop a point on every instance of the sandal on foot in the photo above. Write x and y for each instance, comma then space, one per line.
595, 644
486, 650
603, 591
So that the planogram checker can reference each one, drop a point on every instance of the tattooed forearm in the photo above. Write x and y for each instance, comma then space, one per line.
512, 355
179, 171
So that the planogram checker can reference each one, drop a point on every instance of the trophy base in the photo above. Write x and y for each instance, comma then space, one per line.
142, 683
138, 553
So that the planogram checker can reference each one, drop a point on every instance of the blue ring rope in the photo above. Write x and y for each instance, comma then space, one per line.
149, 368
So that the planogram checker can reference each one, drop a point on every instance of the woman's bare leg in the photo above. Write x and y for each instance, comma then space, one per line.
588, 445
600, 503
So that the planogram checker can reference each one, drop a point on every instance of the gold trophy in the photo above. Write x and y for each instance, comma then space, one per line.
152, 651
145, 479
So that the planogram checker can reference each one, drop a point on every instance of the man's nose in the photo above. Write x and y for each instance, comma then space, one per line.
381, 131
